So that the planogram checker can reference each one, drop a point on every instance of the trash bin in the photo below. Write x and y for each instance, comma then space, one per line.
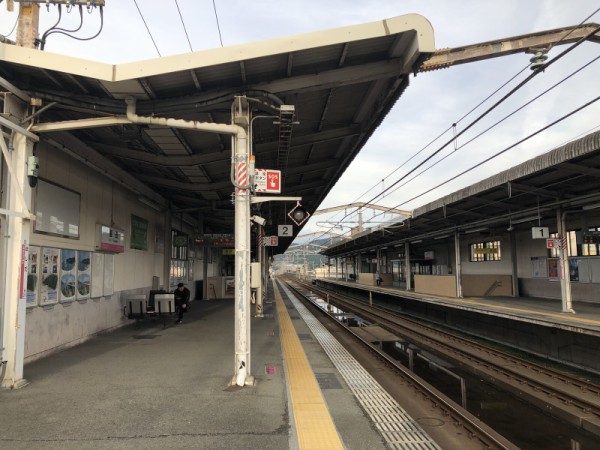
199, 289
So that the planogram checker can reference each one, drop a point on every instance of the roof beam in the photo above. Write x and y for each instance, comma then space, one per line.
160, 160
578, 169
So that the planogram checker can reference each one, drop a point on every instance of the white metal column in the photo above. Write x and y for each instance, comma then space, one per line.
563, 254
457, 259
16, 236
241, 117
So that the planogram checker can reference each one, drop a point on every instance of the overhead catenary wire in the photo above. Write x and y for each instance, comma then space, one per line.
498, 122
14, 25
184, 28
148, 29
491, 108
481, 116
464, 116
495, 155
217, 19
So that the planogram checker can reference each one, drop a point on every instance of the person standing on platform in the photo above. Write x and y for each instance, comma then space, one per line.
182, 301
378, 278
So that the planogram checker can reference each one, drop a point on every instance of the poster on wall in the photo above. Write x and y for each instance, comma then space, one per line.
68, 275
109, 275
539, 267
97, 274
84, 271
33, 277
574, 269
49, 280
139, 233
553, 272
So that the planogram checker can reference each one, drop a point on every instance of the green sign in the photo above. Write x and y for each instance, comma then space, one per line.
139, 233
180, 241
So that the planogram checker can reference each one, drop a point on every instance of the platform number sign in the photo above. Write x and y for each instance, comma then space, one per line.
285, 231
539, 233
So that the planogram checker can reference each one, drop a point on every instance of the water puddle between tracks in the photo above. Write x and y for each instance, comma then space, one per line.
524, 425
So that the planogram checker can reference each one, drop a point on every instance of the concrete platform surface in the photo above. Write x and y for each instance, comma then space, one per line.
147, 387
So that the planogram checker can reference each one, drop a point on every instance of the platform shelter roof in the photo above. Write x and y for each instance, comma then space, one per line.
342, 83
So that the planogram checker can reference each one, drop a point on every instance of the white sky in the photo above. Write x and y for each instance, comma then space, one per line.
430, 105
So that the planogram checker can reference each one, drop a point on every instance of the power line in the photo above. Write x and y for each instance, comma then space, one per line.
495, 155
146, 25
500, 121
464, 116
218, 26
15, 25
494, 106
481, 116
183, 23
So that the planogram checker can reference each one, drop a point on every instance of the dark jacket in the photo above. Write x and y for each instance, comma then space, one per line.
182, 296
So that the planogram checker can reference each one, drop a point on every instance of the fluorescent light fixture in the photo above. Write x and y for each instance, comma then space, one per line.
441, 237
417, 241
592, 206
525, 219
150, 203
476, 230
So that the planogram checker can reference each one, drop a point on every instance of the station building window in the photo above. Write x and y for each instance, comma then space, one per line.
485, 251
591, 242
580, 243
179, 270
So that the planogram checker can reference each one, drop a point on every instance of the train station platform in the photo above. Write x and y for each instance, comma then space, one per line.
541, 311
145, 386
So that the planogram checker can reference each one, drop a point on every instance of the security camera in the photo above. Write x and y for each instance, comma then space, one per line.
258, 220
33, 165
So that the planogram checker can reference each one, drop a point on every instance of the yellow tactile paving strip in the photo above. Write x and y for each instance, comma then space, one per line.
314, 426
533, 312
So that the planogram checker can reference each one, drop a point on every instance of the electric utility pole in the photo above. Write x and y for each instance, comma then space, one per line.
28, 25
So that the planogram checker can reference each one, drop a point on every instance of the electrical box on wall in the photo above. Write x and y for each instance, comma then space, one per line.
255, 275
109, 239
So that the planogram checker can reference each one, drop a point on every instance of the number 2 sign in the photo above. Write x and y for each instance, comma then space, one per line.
285, 231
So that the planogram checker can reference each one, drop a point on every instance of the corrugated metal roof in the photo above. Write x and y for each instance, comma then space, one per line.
342, 83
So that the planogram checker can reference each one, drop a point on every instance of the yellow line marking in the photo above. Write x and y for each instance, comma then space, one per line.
314, 426
572, 318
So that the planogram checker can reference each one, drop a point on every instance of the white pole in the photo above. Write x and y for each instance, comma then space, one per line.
17, 254
241, 117
563, 254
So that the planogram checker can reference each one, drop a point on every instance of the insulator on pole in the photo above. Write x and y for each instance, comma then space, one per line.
538, 60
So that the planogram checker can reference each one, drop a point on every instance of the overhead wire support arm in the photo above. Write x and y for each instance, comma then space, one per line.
444, 58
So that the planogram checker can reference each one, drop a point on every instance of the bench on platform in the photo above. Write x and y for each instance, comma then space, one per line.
160, 306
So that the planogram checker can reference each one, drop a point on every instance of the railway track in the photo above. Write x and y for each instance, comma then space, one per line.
568, 398
473, 428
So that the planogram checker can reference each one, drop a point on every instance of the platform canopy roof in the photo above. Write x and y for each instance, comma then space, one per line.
341, 82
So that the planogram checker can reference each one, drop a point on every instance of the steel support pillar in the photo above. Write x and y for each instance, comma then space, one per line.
457, 262
563, 254
15, 234
241, 117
